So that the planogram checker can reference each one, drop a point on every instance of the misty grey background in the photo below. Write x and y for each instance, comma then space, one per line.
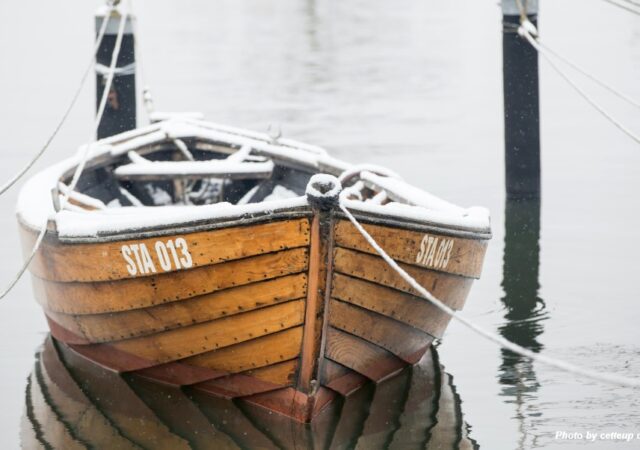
413, 85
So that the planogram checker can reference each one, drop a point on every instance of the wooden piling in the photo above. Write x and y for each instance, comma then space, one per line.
120, 111
521, 102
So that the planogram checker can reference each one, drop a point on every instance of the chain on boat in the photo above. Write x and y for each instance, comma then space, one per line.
86, 153
501, 341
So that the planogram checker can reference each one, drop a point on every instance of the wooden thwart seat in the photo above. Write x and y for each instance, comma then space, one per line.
170, 170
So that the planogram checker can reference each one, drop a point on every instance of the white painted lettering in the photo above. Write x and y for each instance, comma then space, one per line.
126, 254
435, 252
185, 259
148, 266
170, 255
163, 256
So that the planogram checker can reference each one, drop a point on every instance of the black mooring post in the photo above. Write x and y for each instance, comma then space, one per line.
521, 103
120, 111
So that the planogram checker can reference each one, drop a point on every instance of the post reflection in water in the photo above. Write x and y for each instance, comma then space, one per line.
71, 403
525, 310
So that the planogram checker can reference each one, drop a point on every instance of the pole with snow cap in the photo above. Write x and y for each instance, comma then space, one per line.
521, 101
120, 112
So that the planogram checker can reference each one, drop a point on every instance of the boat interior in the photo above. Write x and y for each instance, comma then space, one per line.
194, 171
187, 172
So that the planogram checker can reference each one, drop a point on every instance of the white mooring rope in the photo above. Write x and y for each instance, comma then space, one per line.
85, 155
74, 99
629, 6
593, 78
525, 32
497, 339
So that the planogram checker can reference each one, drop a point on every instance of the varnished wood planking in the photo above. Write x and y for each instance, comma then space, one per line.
451, 289
406, 308
405, 342
293, 403
320, 269
104, 261
139, 322
176, 373
340, 378
255, 353
183, 342
257, 381
357, 354
465, 258
124, 295
282, 373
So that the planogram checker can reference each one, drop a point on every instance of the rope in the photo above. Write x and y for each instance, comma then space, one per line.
502, 342
596, 80
524, 32
76, 95
523, 11
129, 69
146, 100
85, 156
625, 7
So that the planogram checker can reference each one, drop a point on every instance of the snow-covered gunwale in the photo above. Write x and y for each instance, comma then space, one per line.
204, 255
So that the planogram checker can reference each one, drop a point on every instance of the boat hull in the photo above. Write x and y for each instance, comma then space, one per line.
287, 314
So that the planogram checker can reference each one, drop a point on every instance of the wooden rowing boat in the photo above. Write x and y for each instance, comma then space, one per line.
72, 403
202, 255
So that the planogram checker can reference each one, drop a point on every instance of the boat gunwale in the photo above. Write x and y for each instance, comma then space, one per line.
106, 156
266, 216
202, 225
409, 224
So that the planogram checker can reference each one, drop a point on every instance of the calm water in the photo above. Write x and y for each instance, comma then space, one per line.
416, 86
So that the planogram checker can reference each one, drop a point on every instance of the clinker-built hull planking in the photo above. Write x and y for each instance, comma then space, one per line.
284, 314
205, 256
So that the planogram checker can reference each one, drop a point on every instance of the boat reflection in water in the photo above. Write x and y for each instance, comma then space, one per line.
72, 403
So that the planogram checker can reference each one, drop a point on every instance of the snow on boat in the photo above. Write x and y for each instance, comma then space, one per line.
202, 255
